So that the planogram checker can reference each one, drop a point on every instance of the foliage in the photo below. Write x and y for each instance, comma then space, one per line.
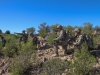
96, 39
22, 53
70, 29
43, 33
11, 48
54, 28
54, 67
0, 46
21, 63
7, 32
28, 46
87, 28
97, 27
51, 37
32, 29
0, 31
43, 30
82, 62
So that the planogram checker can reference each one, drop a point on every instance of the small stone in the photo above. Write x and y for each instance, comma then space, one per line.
53, 55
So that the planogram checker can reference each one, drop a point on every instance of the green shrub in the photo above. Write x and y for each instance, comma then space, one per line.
28, 46
11, 37
20, 64
82, 62
43, 33
11, 49
54, 67
0, 46
96, 39
51, 37
43, 30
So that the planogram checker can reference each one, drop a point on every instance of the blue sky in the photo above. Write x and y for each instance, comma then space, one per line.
16, 15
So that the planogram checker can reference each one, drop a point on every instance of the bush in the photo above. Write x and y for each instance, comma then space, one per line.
20, 64
54, 67
7, 32
11, 49
43, 33
82, 62
97, 40
43, 30
51, 37
0, 31
0, 46
28, 46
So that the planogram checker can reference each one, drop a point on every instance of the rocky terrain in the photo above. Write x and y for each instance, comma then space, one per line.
42, 56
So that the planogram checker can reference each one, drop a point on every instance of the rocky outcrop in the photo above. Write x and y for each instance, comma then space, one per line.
4, 65
42, 56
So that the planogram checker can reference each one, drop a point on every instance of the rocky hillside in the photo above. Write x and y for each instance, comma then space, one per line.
42, 56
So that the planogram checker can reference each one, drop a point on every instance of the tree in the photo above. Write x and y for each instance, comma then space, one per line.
87, 28
97, 28
31, 29
7, 32
43, 30
0, 31
54, 28
70, 29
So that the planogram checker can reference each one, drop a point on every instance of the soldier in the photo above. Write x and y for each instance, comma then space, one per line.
78, 39
24, 37
95, 32
60, 40
3, 41
34, 40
